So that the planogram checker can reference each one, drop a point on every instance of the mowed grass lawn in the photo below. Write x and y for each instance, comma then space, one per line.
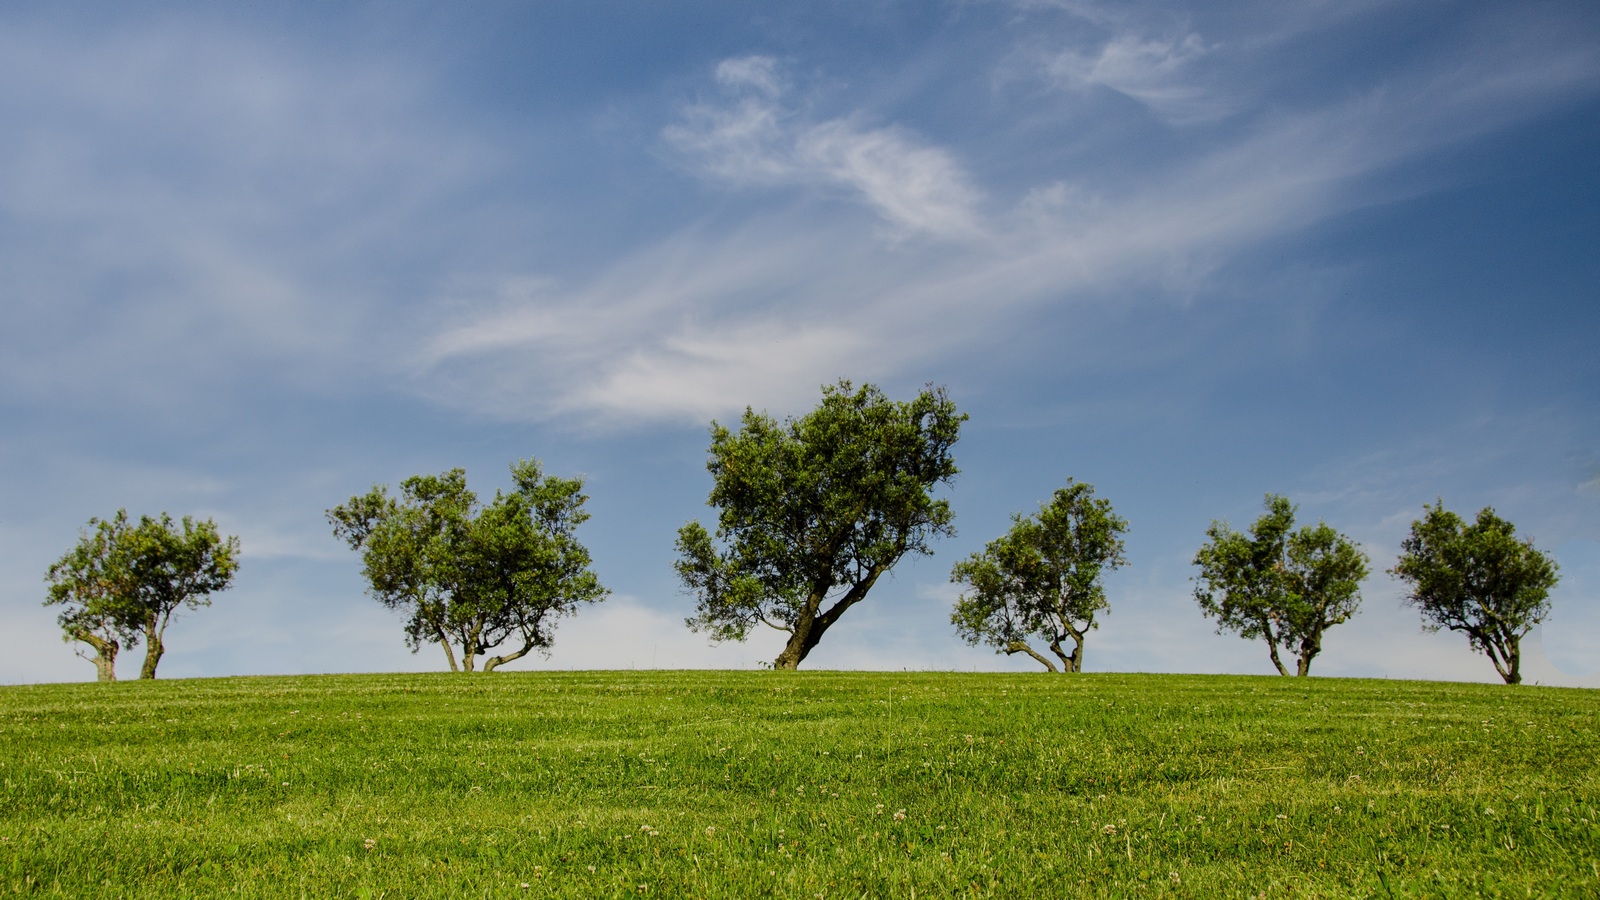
823, 784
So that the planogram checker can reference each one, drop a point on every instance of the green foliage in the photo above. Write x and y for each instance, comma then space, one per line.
1043, 578
848, 784
125, 581
469, 575
1286, 587
1477, 579
815, 510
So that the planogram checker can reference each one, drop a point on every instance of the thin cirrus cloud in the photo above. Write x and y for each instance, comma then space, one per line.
1157, 72
748, 136
707, 321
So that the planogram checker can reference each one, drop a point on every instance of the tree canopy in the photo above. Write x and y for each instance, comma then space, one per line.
1043, 578
813, 511
1478, 579
1286, 587
474, 576
124, 582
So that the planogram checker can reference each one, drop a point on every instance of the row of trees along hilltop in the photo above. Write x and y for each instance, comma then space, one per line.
812, 512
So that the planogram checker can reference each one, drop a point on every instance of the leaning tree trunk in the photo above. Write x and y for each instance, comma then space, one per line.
153, 650
494, 662
152, 657
805, 636
105, 654
1511, 652
1272, 647
1022, 647
449, 651
809, 627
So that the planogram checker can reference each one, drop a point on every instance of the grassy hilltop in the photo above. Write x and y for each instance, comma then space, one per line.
739, 784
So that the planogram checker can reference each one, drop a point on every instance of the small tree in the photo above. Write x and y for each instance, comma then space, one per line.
815, 510
1478, 579
1043, 578
1282, 586
472, 576
125, 582
86, 581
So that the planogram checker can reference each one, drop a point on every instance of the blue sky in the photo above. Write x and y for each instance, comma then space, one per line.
254, 260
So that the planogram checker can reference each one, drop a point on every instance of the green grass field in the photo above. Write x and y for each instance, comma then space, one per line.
744, 784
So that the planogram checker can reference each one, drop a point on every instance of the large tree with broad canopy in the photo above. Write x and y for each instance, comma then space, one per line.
814, 510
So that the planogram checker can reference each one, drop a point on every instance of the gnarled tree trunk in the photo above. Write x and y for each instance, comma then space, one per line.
809, 627
1022, 647
1272, 646
1070, 662
153, 650
1505, 651
1309, 648
494, 662
105, 654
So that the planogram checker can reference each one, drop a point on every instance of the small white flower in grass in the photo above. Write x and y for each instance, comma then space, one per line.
711, 830
899, 815
369, 843
1174, 877
1108, 829
1281, 816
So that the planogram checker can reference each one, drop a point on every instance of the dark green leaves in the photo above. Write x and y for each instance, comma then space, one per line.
816, 509
1478, 579
1043, 579
125, 581
470, 575
1284, 586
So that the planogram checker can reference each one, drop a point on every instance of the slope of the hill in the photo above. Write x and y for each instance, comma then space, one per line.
740, 784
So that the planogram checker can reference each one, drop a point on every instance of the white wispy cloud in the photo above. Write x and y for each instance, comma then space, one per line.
748, 136
1156, 71
708, 321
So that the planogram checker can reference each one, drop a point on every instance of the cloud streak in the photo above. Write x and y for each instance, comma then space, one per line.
749, 137
706, 321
